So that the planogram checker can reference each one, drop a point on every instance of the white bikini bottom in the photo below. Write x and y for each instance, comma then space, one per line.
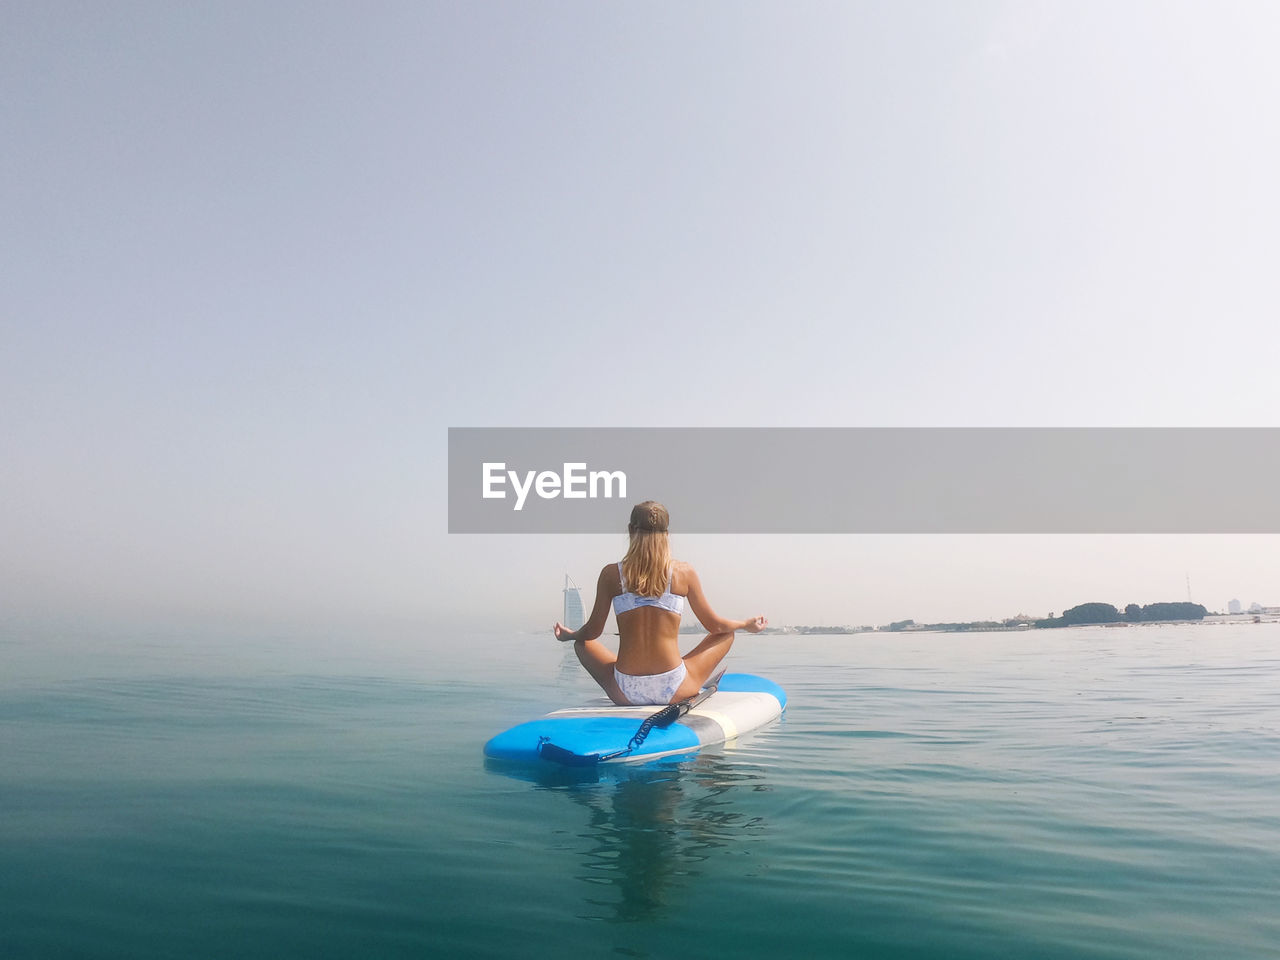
652, 687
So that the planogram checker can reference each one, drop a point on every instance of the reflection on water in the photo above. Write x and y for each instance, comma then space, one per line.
570, 669
649, 829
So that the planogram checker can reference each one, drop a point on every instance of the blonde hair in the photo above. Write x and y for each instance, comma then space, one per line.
644, 568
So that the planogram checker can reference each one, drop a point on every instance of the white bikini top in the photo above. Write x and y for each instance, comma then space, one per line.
629, 601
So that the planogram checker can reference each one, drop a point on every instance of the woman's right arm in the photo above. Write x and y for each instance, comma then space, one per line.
713, 622
599, 613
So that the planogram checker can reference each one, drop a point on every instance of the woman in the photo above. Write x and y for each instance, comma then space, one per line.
648, 590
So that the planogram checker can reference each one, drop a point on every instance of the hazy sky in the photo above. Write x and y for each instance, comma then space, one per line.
257, 258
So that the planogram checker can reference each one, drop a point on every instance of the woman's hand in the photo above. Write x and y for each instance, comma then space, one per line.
562, 632
755, 624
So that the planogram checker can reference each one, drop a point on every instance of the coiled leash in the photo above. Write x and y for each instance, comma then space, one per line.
662, 719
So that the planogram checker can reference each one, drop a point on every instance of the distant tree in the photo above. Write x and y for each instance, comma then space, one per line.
1091, 613
1133, 613
1173, 611
901, 624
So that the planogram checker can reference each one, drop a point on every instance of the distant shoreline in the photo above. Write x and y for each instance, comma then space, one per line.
992, 626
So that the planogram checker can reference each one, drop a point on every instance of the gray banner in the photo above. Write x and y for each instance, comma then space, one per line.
867, 480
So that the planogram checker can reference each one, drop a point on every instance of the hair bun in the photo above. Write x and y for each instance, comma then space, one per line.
650, 516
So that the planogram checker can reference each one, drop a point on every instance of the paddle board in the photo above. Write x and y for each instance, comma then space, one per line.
742, 703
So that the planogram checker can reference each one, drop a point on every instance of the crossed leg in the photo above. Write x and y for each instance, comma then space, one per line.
599, 661
700, 662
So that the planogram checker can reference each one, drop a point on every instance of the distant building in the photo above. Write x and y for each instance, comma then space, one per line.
1233, 606
1255, 607
573, 616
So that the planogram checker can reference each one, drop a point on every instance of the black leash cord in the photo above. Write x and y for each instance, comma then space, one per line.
663, 718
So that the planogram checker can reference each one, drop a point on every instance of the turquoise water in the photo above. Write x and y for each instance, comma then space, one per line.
1109, 793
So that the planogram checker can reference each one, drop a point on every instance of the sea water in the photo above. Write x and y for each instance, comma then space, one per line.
1092, 792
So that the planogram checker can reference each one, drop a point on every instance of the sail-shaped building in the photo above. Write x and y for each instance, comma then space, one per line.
573, 617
